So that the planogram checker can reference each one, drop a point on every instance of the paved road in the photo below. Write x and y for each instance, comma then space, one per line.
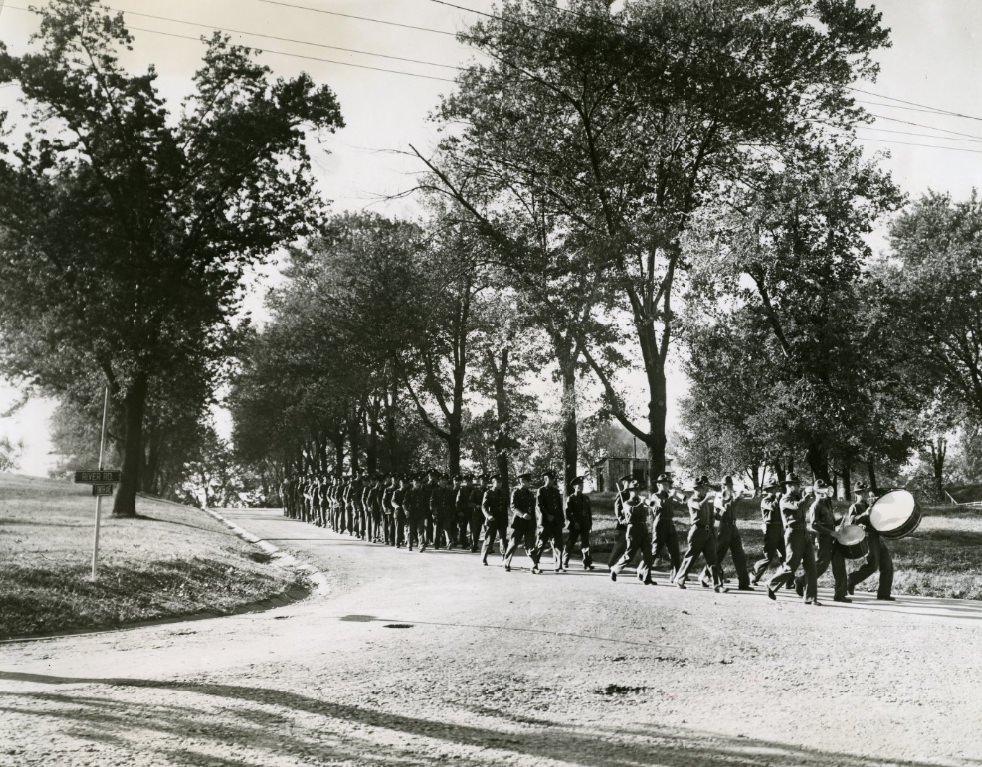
416, 659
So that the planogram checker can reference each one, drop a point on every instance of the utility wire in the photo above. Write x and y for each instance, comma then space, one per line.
915, 104
921, 125
360, 18
928, 146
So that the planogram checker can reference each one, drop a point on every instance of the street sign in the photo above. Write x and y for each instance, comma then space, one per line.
93, 477
103, 489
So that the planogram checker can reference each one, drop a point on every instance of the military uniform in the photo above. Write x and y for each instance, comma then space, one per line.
522, 528
579, 524
797, 544
442, 510
388, 513
549, 509
773, 529
702, 538
619, 546
638, 540
494, 508
728, 539
664, 535
821, 525
878, 559
400, 516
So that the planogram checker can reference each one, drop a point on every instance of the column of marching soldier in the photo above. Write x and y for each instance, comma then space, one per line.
431, 510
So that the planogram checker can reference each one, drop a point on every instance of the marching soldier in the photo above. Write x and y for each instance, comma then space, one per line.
702, 538
477, 511
522, 529
579, 524
664, 535
388, 512
728, 536
773, 528
821, 529
638, 537
401, 518
797, 544
549, 507
418, 511
442, 509
461, 529
620, 523
494, 508
878, 559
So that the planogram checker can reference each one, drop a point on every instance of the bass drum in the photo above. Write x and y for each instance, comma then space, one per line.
853, 542
895, 514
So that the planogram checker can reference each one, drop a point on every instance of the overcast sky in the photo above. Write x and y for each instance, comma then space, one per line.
934, 64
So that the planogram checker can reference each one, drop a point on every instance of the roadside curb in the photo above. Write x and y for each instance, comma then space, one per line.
283, 557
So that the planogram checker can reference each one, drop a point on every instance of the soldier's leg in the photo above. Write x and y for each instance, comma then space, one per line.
585, 550
739, 560
885, 567
620, 545
697, 540
711, 556
477, 524
514, 538
794, 542
811, 582
823, 558
870, 566
633, 546
556, 542
647, 558
489, 534
838, 572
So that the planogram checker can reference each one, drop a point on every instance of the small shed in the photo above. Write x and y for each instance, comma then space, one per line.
609, 469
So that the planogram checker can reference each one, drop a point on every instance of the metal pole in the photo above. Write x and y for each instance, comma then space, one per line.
98, 498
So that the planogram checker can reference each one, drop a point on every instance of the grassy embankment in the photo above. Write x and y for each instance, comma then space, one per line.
943, 558
170, 561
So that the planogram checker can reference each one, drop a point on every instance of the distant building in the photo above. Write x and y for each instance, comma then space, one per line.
609, 469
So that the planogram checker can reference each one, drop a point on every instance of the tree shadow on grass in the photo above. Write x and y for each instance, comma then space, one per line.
318, 730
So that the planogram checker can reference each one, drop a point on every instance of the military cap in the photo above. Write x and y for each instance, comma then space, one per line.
772, 485
576, 481
492, 476
525, 475
860, 487
664, 477
702, 481
626, 478
792, 479
549, 473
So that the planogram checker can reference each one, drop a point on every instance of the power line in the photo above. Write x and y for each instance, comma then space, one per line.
283, 53
915, 104
359, 18
928, 146
921, 135
927, 110
921, 125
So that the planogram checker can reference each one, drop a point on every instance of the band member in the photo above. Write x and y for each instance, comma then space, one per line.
579, 523
442, 509
773, 528
399, 511
878, 559
638, 537
549, 509
821, 529
702, 537
522, 530
797, 543
462, 510
620, 522
728, 536
388, 513
477, 511
662, 505
494, 507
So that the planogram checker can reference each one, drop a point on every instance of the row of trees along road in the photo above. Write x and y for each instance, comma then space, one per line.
126, 228
611, 188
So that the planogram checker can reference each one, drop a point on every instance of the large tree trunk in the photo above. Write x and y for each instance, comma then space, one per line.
818, 460
570, 437
133, 405
354, 440
847, 479
656, 439
337, 439
939, 448
871, 470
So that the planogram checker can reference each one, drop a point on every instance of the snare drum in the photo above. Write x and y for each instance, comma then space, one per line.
853, 542
895, 514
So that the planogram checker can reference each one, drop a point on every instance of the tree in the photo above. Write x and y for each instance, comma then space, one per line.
126, 229
615, 127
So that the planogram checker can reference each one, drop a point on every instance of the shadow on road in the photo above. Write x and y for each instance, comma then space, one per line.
264, 722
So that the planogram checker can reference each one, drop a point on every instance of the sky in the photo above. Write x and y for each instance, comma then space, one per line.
934, 64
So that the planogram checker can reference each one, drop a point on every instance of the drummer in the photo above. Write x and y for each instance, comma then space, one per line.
878, 559
821, 528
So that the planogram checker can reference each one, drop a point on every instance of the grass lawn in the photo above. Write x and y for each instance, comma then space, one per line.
169, 561
943, 558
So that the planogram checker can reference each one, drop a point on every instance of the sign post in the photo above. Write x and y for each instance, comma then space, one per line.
97, 488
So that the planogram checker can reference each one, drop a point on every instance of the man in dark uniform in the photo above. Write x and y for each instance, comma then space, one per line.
702, 537
442, 509
388, 513
773, 528
460, 524
478, 491
494, 508
418, 511
463, 503
522, 528
430, 484
620, 522
797, 543
549, 509
821, 529
728, 535
579, 524
664, 535
878, 559
638, 537
399, 511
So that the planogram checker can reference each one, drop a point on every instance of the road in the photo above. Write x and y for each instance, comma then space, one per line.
419, 659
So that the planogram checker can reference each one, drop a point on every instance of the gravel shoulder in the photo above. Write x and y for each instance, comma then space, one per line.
504, 669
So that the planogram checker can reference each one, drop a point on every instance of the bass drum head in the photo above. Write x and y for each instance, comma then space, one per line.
848, 535
895, 514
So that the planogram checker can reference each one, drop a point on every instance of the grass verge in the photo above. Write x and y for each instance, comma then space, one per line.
170, 561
